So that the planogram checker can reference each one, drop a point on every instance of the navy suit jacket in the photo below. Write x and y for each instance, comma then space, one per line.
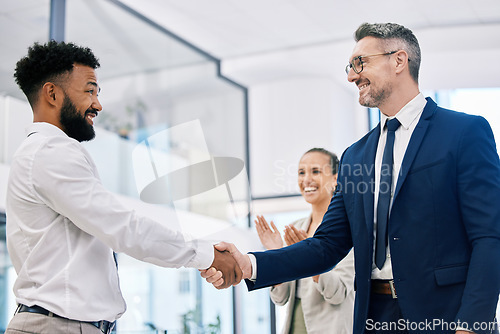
444, 227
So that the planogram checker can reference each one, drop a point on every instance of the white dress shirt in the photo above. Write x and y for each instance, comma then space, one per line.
62, 226
408, 116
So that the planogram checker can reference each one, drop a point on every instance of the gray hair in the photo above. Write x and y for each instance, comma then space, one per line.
394, 35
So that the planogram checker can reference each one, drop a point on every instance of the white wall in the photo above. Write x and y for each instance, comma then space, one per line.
15, 116
291, 116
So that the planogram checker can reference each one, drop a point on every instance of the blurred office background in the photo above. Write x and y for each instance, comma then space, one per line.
245, 86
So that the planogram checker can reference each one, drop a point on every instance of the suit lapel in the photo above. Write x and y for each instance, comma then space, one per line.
414, 144
369, 176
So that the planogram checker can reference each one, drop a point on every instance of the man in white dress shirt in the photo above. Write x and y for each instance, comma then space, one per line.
62, 224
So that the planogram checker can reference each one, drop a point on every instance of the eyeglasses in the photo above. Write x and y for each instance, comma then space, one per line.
357, 62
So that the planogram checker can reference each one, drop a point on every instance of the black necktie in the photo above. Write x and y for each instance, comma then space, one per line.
384, 196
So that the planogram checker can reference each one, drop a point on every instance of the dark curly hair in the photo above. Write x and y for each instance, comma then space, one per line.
47, 62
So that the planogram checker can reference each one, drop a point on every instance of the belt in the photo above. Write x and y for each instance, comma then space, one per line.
381, 287
105, 326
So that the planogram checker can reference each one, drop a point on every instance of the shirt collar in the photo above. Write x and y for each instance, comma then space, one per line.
408, 114
46, 129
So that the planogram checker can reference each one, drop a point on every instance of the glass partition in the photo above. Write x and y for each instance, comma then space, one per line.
172, 135
171, 141
157, 89
23, 22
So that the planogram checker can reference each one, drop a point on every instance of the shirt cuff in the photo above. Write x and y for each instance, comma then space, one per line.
204, 255
253, 261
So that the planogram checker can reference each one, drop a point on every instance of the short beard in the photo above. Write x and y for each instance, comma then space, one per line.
377, 98
74, 124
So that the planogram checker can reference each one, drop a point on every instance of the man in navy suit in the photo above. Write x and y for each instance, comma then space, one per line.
418, 199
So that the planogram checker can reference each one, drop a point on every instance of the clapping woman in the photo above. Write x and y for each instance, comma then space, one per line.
323, 303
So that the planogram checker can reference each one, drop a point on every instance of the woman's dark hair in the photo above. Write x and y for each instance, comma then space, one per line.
334, 161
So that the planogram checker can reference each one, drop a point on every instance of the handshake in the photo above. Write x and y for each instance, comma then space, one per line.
229, 267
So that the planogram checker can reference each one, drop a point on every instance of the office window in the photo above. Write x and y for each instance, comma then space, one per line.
373, 117
184, 282
478, 101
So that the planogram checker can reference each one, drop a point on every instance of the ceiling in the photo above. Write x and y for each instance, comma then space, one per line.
261, 40
230, 29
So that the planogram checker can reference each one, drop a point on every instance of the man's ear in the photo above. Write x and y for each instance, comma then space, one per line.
401, 60
52, 94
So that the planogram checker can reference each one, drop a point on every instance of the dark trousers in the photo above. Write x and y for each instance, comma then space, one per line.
384, 316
